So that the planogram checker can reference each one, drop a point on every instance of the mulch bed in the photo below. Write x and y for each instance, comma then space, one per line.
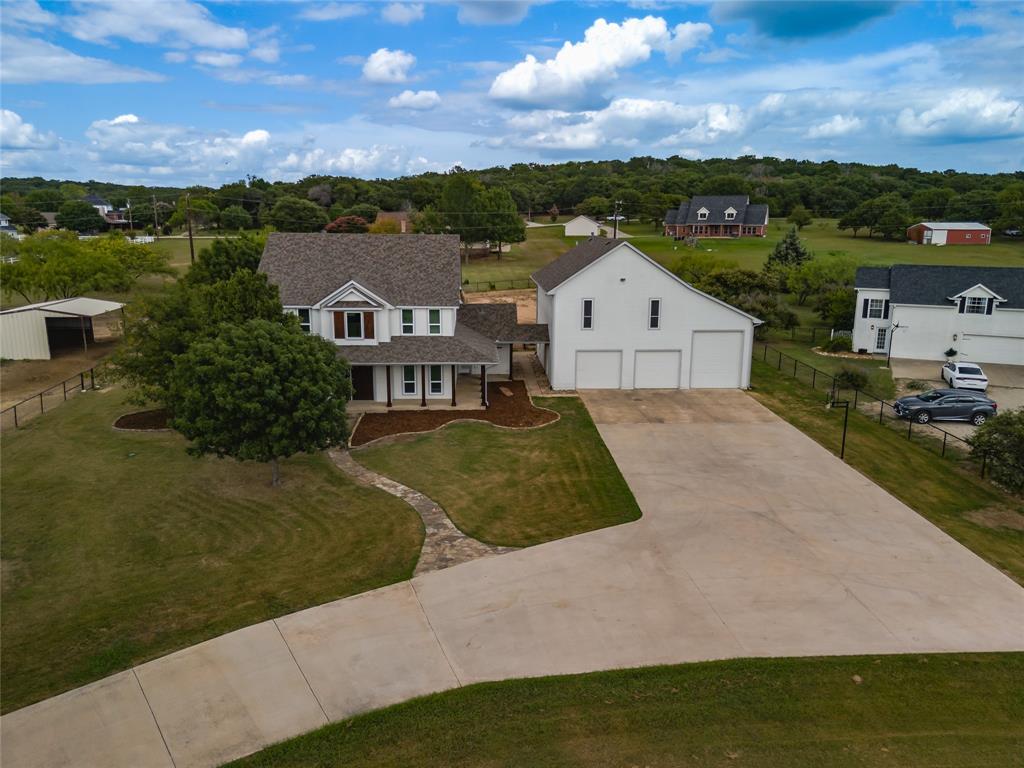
143, 420
505, 411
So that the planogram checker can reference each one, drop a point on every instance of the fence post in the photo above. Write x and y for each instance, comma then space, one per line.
81, 378
910, 426
945, 434
780, 361
41, 402
65, 385
15, 416
814, 376
856, 394
984, 460
765, 358
881, 410
92, 378
795, 364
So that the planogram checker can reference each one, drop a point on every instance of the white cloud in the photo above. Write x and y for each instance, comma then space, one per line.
485, 12
965, 114
402, 13
719, 56
387, 66
218, 59
176, 57
128, 119
332, 11
27, 13
578, 68
177, 23
15, 133
268, 51
415, 100
288, 80
838, 125
376, 160
30, 60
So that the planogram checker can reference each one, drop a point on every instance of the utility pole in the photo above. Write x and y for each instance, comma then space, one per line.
615, 217
188, 218
130, 227
156, 223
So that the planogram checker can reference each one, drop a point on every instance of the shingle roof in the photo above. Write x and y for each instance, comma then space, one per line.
404, 270
934, 285
572, 261
716, 205
952, 225
499, 323
465, 347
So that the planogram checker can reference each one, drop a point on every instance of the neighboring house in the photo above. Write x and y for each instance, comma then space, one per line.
920, 312
393, 306
949, 233
617, 319
5, 225
717, 216
110, 214
401, 218
582, 226
51, 219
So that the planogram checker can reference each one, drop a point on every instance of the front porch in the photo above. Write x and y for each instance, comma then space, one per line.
467, 397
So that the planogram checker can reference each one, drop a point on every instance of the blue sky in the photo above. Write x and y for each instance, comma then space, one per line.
177, 91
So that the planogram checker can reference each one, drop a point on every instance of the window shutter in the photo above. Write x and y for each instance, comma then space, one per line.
339, 325
885, 310
963, 304
864, 312
991, 304
368, 325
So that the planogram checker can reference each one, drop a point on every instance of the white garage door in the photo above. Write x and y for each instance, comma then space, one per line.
657, 369
599, 370
717, 360
977, 348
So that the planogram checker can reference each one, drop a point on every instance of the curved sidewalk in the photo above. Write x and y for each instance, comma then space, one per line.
755, 541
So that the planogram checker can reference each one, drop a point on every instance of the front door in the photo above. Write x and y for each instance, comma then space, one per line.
880, 339
362, 382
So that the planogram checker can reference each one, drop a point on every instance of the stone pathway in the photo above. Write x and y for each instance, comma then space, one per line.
444, 545
527, 368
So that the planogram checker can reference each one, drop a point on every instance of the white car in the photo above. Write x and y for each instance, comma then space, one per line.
965, 376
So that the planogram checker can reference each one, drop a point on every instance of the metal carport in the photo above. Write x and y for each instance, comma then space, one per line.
28, 333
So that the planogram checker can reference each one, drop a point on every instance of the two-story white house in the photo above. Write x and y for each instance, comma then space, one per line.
617, 319
392, 304
921, 312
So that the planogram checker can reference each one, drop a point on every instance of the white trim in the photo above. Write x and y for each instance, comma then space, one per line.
439, 324
415, 381
352, 285
401, 321
983, 287
583, 314
362, 324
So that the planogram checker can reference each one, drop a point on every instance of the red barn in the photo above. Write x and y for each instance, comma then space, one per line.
950, 233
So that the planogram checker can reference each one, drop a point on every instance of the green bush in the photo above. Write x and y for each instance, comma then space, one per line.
851, 377
1002, 440
838, 344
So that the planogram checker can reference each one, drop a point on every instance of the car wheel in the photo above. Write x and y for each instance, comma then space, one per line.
978, 419
922, 417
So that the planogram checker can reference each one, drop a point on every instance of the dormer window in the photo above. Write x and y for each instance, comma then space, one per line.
976, 305
730, 214
702, 214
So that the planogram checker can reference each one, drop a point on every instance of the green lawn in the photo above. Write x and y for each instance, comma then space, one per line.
119, 547
946, 491
515, 488
908, 711
880, 381
543, 244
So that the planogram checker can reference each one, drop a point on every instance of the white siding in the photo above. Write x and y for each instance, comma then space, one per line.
925, 333
865, 328
23, 336
581, 226
622, 284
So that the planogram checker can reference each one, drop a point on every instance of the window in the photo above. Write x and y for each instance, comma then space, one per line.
408, 379
976, 305
353, 325
408, 327
968, 236
730, 214
588, 314
702, 214
880, 338
434, 321
436, 385
303, 319
654, 314
875, 307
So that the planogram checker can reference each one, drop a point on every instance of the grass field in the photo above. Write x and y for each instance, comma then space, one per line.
119, 547
515, 488
907, 711
946, 491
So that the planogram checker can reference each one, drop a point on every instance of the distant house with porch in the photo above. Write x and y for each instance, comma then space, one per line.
717, 216
393, 306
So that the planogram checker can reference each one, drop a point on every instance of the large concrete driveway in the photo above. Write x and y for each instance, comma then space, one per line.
754, 542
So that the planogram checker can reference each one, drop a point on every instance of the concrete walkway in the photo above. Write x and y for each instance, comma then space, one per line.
444, 545
755, 541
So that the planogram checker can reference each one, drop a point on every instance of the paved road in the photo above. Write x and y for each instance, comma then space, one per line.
754, 542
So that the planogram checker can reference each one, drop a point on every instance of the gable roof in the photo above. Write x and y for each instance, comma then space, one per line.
404, 270
585, 218
572, 261
716, 206
499, 322
94, 199
934, 285
953, 225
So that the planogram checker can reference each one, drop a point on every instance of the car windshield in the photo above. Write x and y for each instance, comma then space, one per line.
932, 396
970, 371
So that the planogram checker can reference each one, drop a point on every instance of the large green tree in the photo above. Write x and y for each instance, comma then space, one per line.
226, 256
80, 216
1001, 441
235, 217
260, 391
504, 224
293, 214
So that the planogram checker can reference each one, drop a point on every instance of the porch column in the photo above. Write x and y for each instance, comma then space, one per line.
510, 362
85, 342
387, 379
455, 378
423, 386
483, 385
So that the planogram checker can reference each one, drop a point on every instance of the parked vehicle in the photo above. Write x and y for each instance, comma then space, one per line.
946, 405
1012, 232
965, 376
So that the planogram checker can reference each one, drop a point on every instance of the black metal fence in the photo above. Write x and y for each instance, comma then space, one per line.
813, 334
498, 285
861, 400
17, 415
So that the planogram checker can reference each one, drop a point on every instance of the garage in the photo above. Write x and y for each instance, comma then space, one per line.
983, 348
598, 369
717, 360
657, 369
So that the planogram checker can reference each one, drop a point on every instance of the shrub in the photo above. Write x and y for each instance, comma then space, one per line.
838, 344
918, 384
851, 377
1002, 440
